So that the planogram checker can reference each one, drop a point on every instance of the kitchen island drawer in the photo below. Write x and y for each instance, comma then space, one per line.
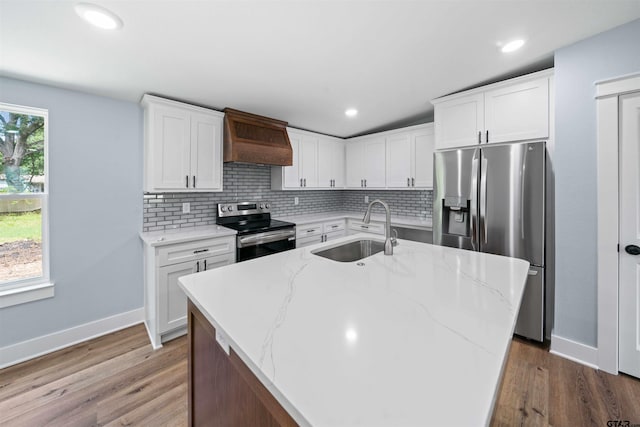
195, 250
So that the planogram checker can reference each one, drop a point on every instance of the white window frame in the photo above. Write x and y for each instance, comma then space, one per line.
26, 290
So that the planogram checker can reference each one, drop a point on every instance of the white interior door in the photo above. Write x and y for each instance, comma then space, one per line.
629, 264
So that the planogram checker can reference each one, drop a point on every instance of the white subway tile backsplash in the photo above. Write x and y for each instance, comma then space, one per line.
245, 182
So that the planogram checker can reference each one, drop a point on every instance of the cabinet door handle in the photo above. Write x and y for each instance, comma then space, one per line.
200, 251
487, 139
413, 182
305, 182
186, 181
365, 183
197, 266
311, 230
479, 137
408, 182
300, 182
365, 226
194, 181
205, 265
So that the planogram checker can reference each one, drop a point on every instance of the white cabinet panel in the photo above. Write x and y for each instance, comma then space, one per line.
517, 112
331, 163
206, 152
172, 301
460, 121
354, 164
291, 174
399, 159
172, 144
374, 163
423, 145
308, 158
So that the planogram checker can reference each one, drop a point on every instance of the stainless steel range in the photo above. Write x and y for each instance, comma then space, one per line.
258, 234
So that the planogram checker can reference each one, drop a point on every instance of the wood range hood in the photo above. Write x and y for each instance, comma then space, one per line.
249, 138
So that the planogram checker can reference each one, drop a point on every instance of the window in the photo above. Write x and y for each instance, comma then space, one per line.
24, 266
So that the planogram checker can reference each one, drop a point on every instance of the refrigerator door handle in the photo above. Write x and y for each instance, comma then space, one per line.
474, 200
483, 198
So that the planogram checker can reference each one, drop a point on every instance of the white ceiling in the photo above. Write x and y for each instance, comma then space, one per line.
301, 61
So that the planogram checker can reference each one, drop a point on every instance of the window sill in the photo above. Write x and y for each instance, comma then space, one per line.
26, 293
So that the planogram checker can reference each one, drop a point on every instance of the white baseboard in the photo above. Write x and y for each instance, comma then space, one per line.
25, 350
572, 350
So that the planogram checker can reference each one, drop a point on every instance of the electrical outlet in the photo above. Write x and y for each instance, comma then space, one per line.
295, 201
186, 207
366, 199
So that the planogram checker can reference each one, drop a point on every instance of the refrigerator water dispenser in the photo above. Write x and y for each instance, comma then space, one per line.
456, 216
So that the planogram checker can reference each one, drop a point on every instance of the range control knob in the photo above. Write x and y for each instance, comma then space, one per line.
261, 205
223, 208
267, 206
230, 208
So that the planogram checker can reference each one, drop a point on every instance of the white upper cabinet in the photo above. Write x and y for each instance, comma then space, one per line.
399, 159
318, 162
422, 146
331, 156
459, 121
183, 147
365, 162
517, 112
513, 110
410, 158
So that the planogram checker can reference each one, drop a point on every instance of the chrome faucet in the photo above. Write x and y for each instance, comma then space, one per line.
389, 242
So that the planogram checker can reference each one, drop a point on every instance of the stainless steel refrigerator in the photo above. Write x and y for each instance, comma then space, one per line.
491, 198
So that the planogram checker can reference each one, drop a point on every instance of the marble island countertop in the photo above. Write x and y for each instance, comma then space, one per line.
417, 338
179, 235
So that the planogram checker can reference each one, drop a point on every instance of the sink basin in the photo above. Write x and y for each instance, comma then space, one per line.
352, 251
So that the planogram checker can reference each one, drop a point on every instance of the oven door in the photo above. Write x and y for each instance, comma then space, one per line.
251, 246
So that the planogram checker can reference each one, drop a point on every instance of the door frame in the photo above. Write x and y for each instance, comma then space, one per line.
607, 102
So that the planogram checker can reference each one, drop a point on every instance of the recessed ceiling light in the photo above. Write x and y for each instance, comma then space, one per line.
98, 16
351, 112
512, 46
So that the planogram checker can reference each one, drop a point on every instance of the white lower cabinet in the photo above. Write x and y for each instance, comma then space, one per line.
318, 232
165, 303
355, 226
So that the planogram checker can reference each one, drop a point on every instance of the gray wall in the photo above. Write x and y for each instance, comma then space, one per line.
577, 68
95, 176
244, 182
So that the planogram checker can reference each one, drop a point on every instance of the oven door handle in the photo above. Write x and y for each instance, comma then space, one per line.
266, 237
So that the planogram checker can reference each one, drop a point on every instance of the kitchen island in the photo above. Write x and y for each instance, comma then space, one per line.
416, 338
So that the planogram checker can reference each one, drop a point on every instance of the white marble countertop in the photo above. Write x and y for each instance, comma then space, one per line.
404, 221
417, 338
179, 235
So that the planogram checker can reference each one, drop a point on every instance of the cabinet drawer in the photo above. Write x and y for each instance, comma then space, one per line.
307, 241
361, 227
335, 235
308, 230
332, 226
191, 251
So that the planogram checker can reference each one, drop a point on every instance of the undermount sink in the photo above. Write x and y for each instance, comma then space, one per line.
351, 251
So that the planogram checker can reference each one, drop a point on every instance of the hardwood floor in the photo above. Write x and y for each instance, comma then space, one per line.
118, 380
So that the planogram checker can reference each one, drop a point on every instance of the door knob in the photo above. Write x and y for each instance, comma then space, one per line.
632, 249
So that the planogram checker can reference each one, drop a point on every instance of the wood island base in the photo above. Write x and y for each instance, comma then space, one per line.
222, 389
